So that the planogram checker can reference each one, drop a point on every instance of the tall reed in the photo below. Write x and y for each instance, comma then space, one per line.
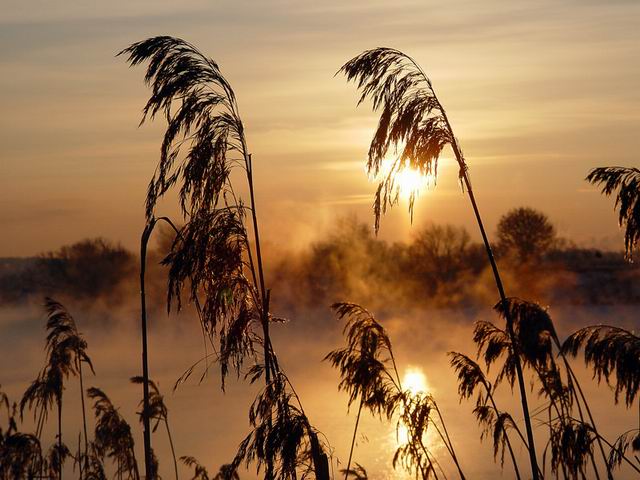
217, 256
414, 124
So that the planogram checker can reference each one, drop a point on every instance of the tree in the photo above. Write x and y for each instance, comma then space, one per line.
526, 233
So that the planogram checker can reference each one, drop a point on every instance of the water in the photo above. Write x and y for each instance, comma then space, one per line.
209, 424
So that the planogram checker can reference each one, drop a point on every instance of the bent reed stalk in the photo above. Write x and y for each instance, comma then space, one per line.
415, 124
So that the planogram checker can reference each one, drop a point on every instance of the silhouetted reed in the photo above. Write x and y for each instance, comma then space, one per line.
496, 423
626, 180
211, 258
66, 352
226, 472
414, 126
20, 453
158, 412
368, 373
113, 438
572, 433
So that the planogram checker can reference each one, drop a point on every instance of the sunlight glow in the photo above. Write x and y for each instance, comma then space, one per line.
410, 181
415, 381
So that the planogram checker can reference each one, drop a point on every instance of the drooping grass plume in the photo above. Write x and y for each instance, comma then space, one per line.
207, 125
614, 355
626, 180
55, 458
282, 434
66, 352
368, 372
158, 412
357, 473
496, 423
362, 365
20, 453
113, 438
64, 337
414, 127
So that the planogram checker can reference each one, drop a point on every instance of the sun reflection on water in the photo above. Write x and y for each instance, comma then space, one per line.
415, 381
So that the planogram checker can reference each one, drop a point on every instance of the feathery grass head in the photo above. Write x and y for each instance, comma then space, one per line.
363, 362
63, 337
470, 375
412, 125
282, 435
56, 456
204, 141
210, 256
158, 411
533, 329
613, 353
571, 445
628, 440
495, 425
415, 417
626, 180
358, 472
206, 119
113, 437
20, 455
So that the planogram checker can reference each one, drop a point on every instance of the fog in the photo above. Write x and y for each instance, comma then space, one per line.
209, 424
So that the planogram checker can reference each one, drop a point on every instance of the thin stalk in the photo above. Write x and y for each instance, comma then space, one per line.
506, 435
263, 293
575, 381
60, 437
503, 299
79, 455
353, 440
84, 416
464, 176
448, 440
145, 362
40, 423
173, 451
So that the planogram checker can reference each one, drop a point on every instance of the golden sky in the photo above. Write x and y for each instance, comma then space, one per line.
538, 93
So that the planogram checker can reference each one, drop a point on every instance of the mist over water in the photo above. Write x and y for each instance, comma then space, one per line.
209, 424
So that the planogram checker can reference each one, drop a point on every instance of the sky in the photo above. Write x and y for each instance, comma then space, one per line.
538, 94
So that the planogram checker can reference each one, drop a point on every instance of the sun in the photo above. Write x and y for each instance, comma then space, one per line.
415, 381
409, 181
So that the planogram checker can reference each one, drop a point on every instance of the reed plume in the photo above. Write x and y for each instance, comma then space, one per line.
66, 352
113, 438
626, 180
158, 412
369, 372
20, 453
